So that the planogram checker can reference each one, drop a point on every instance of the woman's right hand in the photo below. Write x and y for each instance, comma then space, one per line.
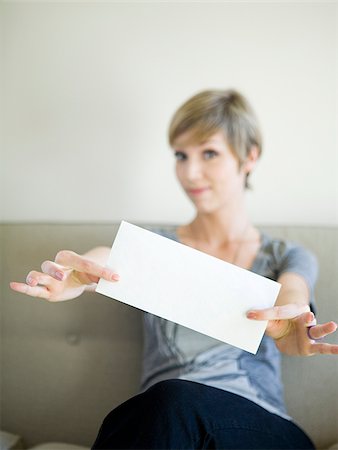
65, 278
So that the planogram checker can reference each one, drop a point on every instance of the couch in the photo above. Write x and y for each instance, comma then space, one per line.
65, 365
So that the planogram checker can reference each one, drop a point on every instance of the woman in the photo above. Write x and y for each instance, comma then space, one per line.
196, 391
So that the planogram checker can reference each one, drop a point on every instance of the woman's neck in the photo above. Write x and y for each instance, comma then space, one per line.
222, 227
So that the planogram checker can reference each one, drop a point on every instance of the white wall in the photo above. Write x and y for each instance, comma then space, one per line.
1, 113
89, 89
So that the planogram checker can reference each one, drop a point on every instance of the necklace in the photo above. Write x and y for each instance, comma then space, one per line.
240, 242
239, 245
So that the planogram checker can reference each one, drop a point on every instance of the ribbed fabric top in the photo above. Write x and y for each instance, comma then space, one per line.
174, 351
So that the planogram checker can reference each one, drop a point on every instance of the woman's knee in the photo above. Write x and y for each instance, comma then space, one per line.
172, 393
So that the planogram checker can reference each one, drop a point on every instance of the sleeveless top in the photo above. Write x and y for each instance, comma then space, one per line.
174, 351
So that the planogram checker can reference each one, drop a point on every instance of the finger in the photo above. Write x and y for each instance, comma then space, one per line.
308, 319
36, 291
81, 264
34, 278
278, 312
54, 270
324, 349
322, 330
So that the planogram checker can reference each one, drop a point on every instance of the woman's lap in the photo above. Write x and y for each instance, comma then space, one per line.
178, 414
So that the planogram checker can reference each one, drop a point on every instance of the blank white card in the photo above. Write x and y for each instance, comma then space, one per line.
187, 286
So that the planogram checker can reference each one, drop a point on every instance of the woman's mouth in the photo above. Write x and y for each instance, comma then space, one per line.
197, 191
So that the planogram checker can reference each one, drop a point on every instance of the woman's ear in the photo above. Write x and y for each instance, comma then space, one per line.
251, 160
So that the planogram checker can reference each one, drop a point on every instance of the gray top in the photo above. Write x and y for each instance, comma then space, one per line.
174, 351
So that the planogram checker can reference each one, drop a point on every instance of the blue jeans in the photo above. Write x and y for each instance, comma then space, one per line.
178, 414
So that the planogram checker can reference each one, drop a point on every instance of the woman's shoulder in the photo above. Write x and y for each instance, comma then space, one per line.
281, 248
169, 231
284, 255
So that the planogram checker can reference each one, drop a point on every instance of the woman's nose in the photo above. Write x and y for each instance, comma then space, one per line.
193, 170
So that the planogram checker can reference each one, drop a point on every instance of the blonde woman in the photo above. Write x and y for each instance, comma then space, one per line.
196, 391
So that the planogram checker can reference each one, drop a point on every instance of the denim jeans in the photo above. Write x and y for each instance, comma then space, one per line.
178, 414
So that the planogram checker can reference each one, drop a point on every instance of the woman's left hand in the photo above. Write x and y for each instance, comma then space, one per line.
295, 331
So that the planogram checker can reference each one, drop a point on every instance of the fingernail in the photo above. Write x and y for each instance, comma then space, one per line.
251, 315
30, 280
115, 277
312, 318
59, 275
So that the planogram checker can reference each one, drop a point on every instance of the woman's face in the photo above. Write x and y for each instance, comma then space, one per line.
209, 172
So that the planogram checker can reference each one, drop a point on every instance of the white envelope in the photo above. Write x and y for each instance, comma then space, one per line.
187, 286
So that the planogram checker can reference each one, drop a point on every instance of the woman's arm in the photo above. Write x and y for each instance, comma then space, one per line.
289, 320
294, 289
68, 276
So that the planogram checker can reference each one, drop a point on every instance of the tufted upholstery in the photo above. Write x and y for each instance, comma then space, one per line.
66, 365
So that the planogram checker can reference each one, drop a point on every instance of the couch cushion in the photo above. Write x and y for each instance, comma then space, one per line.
58, 446
334, 446
9, 441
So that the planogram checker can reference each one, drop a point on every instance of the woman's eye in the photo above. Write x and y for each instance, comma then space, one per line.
180, 156
209, 154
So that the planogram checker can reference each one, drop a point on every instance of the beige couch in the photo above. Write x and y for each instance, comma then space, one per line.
65, 366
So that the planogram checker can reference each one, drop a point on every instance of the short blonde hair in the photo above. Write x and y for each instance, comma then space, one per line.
213, 110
